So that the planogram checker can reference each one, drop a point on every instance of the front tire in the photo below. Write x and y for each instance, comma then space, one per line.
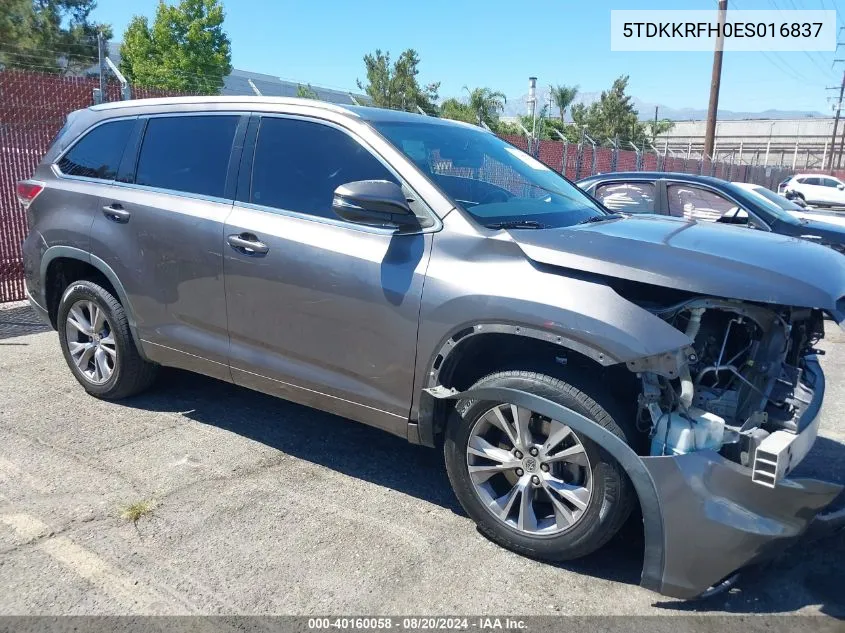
97, 344
531, 484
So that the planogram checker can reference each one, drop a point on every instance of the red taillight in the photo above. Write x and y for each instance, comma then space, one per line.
27, 191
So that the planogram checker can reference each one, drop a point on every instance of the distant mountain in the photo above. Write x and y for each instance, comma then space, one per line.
515, 107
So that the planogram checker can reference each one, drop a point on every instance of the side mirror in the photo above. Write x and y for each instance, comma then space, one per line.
841, 187
373, 203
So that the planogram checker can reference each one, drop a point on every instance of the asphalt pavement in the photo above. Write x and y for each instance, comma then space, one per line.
200, 497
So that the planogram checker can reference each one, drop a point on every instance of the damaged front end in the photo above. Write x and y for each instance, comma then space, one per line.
729, 417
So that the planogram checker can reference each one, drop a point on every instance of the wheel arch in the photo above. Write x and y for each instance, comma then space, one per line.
472, 351
56, 255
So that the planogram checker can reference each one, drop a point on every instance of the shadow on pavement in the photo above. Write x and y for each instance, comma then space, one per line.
19, 320
812, 575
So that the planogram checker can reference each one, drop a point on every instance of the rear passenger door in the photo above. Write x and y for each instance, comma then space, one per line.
161, 231
84, 173
321, 311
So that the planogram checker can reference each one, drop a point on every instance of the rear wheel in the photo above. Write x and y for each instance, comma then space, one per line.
97, 344
532, 484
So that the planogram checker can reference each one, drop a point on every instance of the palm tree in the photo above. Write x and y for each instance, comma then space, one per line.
563, 97
487, 104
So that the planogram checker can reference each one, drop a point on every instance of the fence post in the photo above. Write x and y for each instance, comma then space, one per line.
564, 157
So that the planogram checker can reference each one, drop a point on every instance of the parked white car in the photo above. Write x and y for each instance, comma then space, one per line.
792, 208
817, 189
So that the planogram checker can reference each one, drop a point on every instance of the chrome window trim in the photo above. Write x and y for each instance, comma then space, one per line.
171, 192
437, 223
340, 223
55, 164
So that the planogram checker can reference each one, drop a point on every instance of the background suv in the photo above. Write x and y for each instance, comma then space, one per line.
817, 189
428, 278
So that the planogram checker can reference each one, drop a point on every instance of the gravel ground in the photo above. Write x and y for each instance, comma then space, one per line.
251, 505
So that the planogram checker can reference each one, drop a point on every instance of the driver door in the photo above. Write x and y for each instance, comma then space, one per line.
705, 205
321, 311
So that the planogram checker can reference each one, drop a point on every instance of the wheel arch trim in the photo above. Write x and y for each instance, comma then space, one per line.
70, 252
459, 335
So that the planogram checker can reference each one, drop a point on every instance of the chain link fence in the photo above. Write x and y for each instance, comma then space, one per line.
579, 160
33, 108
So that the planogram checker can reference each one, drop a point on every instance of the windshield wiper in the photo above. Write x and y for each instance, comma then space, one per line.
601, 218
516, 224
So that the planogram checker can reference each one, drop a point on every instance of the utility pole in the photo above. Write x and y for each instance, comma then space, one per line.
101, 54
715, 82
838, 108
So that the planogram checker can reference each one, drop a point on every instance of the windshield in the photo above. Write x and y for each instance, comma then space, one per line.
777, 205
497, 184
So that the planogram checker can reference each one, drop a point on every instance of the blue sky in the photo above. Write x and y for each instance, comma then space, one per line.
497, 43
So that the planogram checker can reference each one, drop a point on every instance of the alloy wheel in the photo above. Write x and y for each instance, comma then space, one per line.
90, 341
530, 472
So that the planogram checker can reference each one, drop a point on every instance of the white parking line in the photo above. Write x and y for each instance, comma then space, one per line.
131, 596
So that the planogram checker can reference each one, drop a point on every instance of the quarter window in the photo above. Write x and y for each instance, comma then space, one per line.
98, 153
631, 197
187, 153
298, 165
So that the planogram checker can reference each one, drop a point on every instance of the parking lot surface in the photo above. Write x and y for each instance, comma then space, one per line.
251, 505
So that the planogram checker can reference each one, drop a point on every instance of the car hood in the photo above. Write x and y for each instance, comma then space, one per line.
704, 258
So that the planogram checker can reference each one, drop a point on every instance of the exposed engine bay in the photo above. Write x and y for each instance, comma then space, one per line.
742, 388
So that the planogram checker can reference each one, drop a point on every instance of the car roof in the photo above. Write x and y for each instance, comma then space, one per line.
280, 104
815, 176
651, 175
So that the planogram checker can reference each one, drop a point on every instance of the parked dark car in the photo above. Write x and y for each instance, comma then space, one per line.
427, 278
705, 199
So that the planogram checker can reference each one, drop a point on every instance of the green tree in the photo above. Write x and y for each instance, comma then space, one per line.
563, 97
55, 36
186, 48
656, 128
487, 105
612, 116
457, 111
306, 92
396, 86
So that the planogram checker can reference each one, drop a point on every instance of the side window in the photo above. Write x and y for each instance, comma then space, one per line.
187, 153
98, 153
694, 203
811, 181
631, 197
298, 165
830, 182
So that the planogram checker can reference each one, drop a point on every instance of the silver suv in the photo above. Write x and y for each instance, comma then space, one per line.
427, 278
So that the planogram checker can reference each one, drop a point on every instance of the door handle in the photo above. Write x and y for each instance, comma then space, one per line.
248, 244
116, 213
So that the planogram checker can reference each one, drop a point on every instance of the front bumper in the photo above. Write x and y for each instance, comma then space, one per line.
703, 516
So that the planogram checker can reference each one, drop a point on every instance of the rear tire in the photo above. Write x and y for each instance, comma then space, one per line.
592, 496
97, 344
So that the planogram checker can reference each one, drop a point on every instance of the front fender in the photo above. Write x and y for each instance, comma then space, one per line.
703, 517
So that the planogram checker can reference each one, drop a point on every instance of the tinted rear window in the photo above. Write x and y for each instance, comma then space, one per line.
187, 153
98, 153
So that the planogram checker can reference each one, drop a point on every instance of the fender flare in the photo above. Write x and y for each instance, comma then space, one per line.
653, 557
70, 252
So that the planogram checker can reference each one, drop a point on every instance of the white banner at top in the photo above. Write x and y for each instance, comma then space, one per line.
698, 30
